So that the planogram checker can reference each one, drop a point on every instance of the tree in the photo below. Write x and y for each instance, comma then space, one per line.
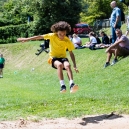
44, 12
16, 11
98, 9
49, 12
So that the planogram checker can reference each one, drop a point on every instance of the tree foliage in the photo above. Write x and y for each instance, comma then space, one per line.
97, 9
44, 12
16, 11
49, 12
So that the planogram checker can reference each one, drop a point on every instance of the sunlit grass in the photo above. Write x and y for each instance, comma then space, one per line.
26, 92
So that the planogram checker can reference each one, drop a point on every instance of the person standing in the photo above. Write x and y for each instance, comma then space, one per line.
2, 63
115, 20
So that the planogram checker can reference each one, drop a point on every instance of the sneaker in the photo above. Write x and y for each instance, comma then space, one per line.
106, 64
63, 89
73, 88
114, 61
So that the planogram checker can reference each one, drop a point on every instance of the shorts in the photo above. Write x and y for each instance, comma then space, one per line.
1, 66
62, 60
123, 51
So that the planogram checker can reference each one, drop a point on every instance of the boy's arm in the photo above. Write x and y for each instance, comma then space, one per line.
73, 60
30, 38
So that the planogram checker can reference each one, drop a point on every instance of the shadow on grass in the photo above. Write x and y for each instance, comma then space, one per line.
96, 119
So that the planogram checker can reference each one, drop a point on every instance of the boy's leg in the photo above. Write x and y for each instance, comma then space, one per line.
59, 67
73, 87
68, 69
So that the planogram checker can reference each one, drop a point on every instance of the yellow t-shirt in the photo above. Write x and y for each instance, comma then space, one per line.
58, 47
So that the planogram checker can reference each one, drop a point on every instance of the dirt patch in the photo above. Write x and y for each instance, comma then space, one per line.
111, 121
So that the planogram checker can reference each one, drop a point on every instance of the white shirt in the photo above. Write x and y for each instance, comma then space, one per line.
76, 40
93, 39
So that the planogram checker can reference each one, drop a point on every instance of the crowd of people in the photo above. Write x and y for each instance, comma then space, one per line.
95, 42
116, 44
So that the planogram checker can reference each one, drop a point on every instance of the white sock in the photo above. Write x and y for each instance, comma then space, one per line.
71, 81
62, 82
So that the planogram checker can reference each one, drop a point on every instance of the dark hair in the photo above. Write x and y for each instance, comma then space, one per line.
92, 33
102, 32
61, 26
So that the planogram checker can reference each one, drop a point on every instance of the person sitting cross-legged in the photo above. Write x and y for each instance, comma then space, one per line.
93, 41
119, 48
77, 41
105, 41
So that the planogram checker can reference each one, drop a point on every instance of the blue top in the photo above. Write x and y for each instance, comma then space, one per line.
115, 13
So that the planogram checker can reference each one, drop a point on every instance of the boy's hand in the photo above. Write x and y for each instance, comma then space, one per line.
22, 39
76, 70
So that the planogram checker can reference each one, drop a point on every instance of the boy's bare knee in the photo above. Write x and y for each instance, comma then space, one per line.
60, 66
67, 67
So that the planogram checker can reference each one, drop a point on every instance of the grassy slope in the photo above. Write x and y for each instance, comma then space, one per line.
25, 92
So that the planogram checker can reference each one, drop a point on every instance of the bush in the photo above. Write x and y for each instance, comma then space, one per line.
9, 34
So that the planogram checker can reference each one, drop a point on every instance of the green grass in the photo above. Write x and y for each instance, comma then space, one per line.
24, 92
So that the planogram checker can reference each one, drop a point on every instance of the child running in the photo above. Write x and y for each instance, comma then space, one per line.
59, 43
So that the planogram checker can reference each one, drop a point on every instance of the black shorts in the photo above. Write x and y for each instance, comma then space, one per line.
1, 66
62, 60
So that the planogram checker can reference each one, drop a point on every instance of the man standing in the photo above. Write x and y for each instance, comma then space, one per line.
115, 19
119, 48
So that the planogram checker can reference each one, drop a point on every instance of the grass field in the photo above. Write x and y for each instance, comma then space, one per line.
26, 92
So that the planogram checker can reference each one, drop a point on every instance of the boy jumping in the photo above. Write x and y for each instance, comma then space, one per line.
59, 43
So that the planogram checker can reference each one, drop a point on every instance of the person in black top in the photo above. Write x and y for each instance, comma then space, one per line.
105, 38
98, 39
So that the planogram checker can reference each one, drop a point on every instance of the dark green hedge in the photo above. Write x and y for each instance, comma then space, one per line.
9, 34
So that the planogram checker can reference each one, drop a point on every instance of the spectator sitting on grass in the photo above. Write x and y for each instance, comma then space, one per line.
91, 45
98, 39
105, 41
77, 41
119, 48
